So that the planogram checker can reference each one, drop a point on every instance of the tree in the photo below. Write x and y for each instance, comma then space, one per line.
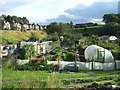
25, 21
55, 28
8, 18
110, 18
71, 24
112, 28
3, 16
28, 51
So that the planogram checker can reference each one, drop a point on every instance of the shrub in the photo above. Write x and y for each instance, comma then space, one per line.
7, 63
23, 29
35, 66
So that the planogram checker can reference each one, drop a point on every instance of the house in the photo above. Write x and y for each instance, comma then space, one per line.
4, 24
37, 27
26, 26
46, 46
33, 26
41, 27
44, 27
30, 26
18, 26
40, 48
36, 45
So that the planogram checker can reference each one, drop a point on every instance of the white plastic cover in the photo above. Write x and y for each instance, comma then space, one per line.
97, 53
112, 38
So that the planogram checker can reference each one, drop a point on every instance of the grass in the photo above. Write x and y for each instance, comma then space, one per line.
92, 27
10, 74
42, 79
97, 30
15, 37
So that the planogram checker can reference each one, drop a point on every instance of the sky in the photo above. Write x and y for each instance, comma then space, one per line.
47, 11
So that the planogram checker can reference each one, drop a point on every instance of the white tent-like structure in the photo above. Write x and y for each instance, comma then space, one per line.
112, 38
99, 54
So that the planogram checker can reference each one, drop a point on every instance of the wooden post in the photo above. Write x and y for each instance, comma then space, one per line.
92, 65
115, 64
59, 58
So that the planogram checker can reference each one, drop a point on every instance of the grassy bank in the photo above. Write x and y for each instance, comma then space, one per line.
15, 36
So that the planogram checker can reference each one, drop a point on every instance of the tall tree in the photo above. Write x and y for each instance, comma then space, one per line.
71, 24
110, 18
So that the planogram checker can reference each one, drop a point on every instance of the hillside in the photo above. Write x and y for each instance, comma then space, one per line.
16, 36
96, 30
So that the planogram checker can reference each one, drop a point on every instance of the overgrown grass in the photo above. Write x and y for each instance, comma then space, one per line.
15, 37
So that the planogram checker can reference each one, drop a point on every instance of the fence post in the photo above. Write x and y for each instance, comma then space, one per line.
92, 65
115, 64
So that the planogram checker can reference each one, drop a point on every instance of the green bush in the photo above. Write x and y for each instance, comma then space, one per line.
70, 57
64, 54
34, 66
23, 29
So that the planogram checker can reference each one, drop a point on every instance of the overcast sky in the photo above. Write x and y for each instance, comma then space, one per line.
47, 11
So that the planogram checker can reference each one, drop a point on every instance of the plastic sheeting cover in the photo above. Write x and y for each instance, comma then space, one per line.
93, 52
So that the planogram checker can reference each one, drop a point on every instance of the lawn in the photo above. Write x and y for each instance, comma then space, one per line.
42, 79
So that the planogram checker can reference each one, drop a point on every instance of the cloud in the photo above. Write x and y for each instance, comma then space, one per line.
82, 13
59, 10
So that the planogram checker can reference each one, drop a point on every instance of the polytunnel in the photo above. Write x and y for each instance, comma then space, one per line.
98, 54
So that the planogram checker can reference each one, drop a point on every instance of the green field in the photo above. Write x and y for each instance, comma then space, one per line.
42, 79
96, 30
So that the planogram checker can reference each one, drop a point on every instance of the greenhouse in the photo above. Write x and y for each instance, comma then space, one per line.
98, 54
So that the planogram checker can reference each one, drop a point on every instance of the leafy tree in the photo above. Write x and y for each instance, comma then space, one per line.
112, 21
112, 28
28, 51
71, 24
9, 18
25, 21
14, 18
110, 18
3, 16
94, 40
55, 28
